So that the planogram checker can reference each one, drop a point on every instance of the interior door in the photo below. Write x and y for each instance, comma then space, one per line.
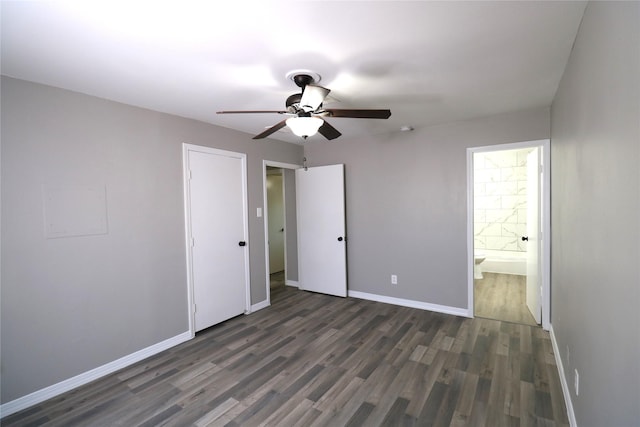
275, 214
533, 233
322, 252
217, 207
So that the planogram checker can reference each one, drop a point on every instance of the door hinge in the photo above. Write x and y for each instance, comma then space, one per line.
189, 175
194, 308
193, 242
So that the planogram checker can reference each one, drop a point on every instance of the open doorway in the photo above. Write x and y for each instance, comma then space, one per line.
281, 253
275, 225
508, 217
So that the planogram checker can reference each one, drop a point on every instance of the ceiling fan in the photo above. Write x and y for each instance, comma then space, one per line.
307, 113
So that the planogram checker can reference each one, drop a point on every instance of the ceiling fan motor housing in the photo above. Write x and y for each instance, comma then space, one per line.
301, 80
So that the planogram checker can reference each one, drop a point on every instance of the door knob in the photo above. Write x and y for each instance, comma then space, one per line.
242, 243
340, 239
525, 238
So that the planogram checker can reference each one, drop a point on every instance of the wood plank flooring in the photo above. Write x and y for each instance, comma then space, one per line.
502, 297
317, 360
277, 280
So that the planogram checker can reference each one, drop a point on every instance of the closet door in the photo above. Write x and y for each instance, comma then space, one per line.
217, 228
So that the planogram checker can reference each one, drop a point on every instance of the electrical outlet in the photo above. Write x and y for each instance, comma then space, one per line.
577, 382
394, 279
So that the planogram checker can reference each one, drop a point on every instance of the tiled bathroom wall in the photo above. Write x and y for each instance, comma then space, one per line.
500, 200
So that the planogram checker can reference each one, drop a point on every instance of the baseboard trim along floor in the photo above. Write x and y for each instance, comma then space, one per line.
456, 311
86, 377
563, 380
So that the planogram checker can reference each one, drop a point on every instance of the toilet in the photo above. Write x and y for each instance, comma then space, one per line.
478, 258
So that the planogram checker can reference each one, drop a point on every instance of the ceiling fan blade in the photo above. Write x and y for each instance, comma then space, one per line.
312, 97
359, 114
329, 131
251, 112
271, 130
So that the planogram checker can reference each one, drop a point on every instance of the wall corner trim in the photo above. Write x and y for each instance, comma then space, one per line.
563, 380
410, 303
86, 377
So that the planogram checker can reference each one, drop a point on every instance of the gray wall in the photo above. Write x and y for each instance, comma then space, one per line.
596, 216
72, 304
406, 198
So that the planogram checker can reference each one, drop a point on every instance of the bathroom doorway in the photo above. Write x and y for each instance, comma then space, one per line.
508, 218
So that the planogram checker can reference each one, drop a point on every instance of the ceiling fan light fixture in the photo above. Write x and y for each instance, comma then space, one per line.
304, 126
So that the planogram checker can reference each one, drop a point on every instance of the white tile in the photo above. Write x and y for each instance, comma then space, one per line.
487, 175
479, 215
502, 243
522, 156
490, 229
522, 246
509, 188
492, 188
510, 230
491, 161
513, 202
522, 216
520, 173
501, 215
511, 216
507, 174
522, 187
479, 189
502, 159
493, 215
488, 202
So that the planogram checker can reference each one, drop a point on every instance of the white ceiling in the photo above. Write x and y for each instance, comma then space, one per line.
429, 62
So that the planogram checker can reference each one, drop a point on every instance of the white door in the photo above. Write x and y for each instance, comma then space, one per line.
321, 230
533, 233
275, 214
217, 223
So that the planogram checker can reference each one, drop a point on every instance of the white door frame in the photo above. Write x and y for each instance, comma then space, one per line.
545, 222
265, 164
186, 174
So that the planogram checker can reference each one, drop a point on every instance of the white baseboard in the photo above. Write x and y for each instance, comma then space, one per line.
456, 311
293, 283
260, 306
86, 377
563, 380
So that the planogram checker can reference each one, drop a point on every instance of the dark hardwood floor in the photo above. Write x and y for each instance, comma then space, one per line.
313, 359
277, 280
502, 297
